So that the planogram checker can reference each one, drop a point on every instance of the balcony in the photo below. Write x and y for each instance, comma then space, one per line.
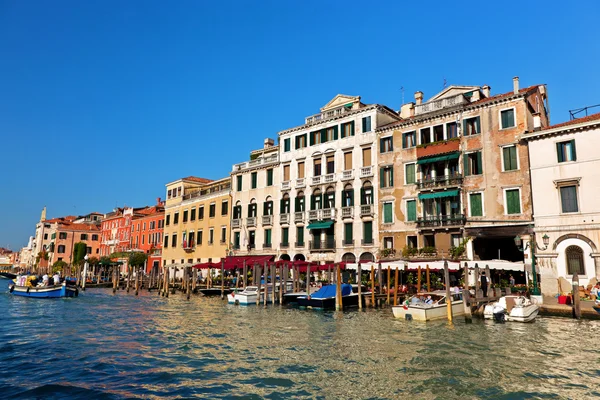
441, 221
315, 180
236, 223
435, 148
273, 158
441, 182
267, 246
300, 183
267, 220
329, 178
347, 175
188, 247
250, 221
299, 217
367, 242
287, 185
316, 215
366, 172
347, 212
348, 242
436, 105
328, 213
322, 245
284, 219
366, 210
336, 112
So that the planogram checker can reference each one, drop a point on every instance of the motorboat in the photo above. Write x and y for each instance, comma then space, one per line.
214, 291
428, 306
246, 296
52, 291
324, 298
512, 308
7, 275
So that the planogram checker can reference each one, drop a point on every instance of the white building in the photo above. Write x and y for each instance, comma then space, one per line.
565, 181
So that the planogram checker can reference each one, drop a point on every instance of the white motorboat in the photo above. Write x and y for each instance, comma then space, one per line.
250, 294
428, 306
512, 308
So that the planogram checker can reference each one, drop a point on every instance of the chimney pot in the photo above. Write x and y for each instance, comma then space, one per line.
486, 91
419, 97
158, 200
516, 85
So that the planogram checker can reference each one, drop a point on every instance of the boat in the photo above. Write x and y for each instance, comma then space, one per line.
324, 298
214, 291
7, 275
596, 306
52, 291
512, 308
429, 306
246, 296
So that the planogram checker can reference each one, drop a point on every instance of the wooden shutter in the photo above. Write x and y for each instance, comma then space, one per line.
479, 163
323, 135
506, 158
350, 195
411, 210
300, 234
348, 233
467, 170
286, 173
364, 124
381, 146
352, 128
573, 152
391, 182
477, 125
335, 132
368, 232
367, 157
285, 235
404, 145
312, 138
476, 209
301, 169
347, 161
387, 212
513, 205
464, 129
381, 177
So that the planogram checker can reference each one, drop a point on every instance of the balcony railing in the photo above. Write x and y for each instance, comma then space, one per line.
188, 246
267, 245
439, 104
366, 210
251, 221
326, 115
367, 242
322, 245
273, 158
287, 185
329, 178
326, 213
284, 245
347, 212
299, 217
236, 223
284, 218
433, 221
301, 182
347, 175
440, 181
267, 220
315, 180
366, 172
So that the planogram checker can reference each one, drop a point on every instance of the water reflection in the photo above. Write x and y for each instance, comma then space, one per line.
150, 347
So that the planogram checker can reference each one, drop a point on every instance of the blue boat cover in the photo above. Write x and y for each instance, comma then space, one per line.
329, 291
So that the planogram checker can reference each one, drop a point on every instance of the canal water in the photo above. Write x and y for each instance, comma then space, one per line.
105, 346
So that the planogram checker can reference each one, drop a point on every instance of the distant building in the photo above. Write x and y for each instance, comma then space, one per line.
147, 233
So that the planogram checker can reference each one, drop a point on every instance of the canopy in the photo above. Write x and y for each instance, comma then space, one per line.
452, 156
233, 262
320, 225
437, 195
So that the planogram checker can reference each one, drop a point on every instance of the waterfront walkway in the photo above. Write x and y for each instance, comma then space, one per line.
551, 307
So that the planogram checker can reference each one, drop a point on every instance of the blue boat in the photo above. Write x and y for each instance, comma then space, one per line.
44, 292
324, 298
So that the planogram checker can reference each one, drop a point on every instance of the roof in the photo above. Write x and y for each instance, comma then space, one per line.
588, 118
151, 210
79, 227
196, 179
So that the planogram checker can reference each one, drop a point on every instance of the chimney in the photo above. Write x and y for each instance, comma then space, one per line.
407, 110
269, 143
486, 91
516, 85
419, 97
158, 202
537, 122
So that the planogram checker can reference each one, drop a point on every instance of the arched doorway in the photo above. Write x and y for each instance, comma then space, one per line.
349, 258
299, 257
575, 262
367, 257
285, 257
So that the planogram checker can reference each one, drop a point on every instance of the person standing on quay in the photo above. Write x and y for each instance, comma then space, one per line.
484, 284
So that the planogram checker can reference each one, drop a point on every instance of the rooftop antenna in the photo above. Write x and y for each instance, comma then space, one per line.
402, 90
445, 84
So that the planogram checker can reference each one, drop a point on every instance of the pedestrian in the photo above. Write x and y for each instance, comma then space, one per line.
484, 284
512, 280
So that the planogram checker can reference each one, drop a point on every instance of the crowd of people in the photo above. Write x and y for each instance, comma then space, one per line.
39, 280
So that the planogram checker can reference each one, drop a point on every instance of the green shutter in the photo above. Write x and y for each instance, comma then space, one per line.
411, 210
300, 234
477, 125
267, 236
404, 140
464, 128
285, 235
348, 233
381, 179
363, 199
573, 152
323, 135
506, 157
513, 205
312, 138
335, 132
513, 157
352, 128
410, 174
476, 209
368, 232
479, 164
391, 182
559, 152
364, 125
387, 213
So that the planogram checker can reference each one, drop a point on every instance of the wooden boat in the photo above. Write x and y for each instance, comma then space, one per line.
420, 308
512, 308
596, 306
41, 292
324, 298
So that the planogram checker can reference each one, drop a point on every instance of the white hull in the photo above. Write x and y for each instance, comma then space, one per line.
419, 313
519, 313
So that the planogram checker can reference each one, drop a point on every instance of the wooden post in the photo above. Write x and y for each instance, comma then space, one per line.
257, 282
360, 297
222, 279
137, 279
372, 286
466, 295
428, 278
175, 269
396, 287
419, 279
448, 294
194, 279
281, 283
266, 274
245, 269
379, 278
489, 279
188, 278
115, 280
576, 299
308, 280
477, 284
388, 285
166, 289
338, 290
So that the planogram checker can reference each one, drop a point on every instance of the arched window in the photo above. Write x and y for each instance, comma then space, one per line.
268, 206
285, 204
367, 257
349, 258
252, 208
316, 200
299, 202
366, 194
348, 196
329, 198
575, 262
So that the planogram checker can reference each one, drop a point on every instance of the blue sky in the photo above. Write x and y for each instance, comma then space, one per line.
102, 103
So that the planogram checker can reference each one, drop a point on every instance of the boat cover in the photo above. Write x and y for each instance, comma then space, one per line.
329, 291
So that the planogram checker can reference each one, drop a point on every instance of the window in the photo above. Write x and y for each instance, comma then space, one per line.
268, 207
174, 240
286, 173
300, 169
285, 237
300, 141
348, 234
94, 237
315, 200
330, 160
144, 237
411, 210
438, 133
385, 145
284, 204
270, 177
411, 241
199, 238
348, 196
166, 245
368, 232
211, 236
193, 214
455, 240
84, 236
300, 236
175, 218
223, 235
575, 262
212, 210
568, 199
476, 204
513, 201
509, 158
411, 175
236, 240
286, 144
388, 242
267, 238
428, 240
253, 180
251, 210
451, 130
473, 164
61, 235
366, 124
425, 135
507, 118
387, 213
348, 129
566, 151
315, 138
299, 203
192, 239
348, 161
239, 183
366, 152
252, 239
169, 194
366, 195
331, 134
317, 167
386, 176
185, 216
471, 126
201, 213
224, 207
61, 248
409, 139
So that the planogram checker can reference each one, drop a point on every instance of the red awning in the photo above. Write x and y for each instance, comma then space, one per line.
232, 262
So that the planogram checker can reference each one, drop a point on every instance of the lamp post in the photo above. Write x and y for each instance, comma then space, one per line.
534, 245
85, 267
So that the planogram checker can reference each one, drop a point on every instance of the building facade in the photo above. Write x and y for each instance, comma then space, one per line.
565, 180
147, 233
455, 175
116, 231
197, 217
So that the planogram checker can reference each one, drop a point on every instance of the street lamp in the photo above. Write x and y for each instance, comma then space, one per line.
534, 245
85, 267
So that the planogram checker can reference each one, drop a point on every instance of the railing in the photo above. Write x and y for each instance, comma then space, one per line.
327, 213
284, 218
315, 180
313, 215
366, 172
188, 246
301, 182
440, 181
267, 220
347, 175
366, 210
322, 245
299, 244
251, 221
432, 221
347, 212
348, 242
286, 185
329, 178
299, 216
236, 223
326, 115
439, 104
273, 158
198, 193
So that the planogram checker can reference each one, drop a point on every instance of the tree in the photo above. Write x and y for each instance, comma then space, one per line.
79, 252
58, 266
105, 260
94, 261
137, 259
